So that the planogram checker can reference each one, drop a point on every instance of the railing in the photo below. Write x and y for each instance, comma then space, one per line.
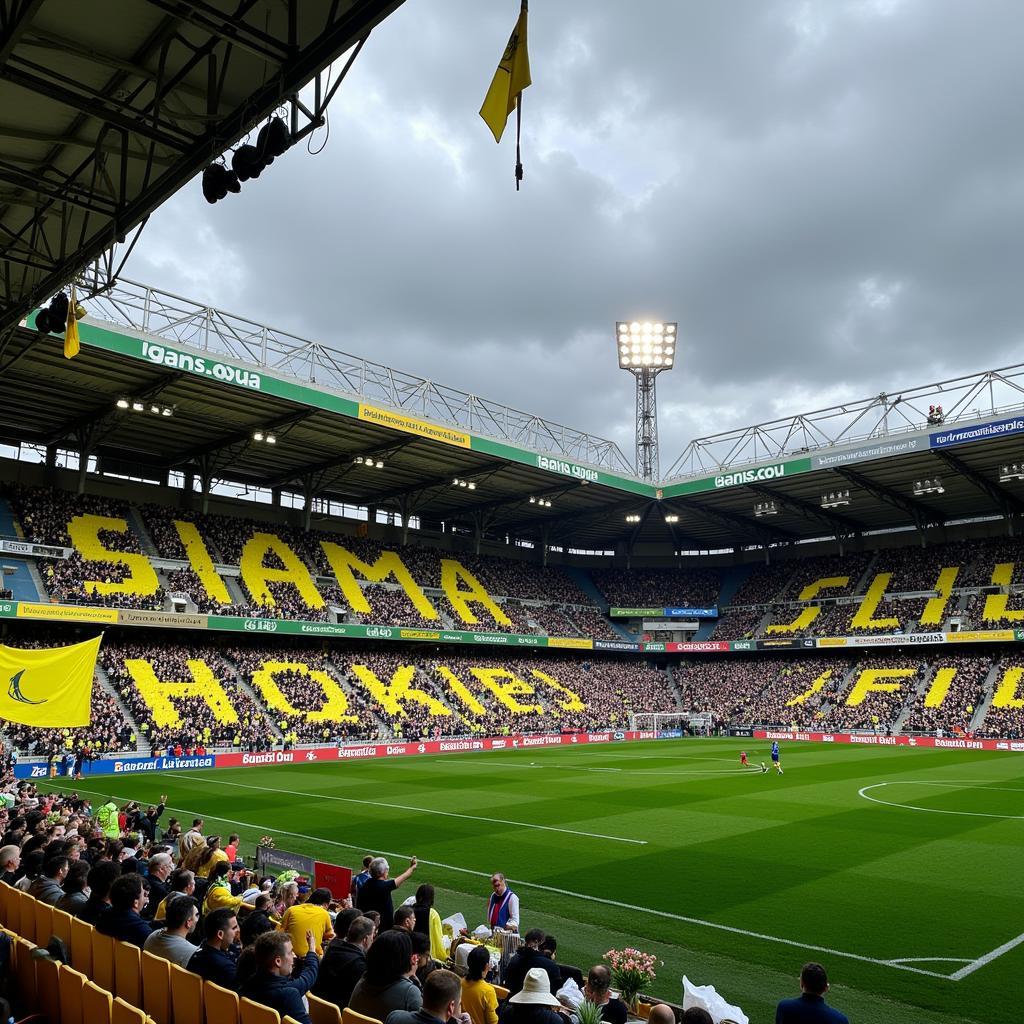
183, 321
992, 393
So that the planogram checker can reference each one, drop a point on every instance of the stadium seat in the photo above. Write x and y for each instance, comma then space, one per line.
156, 988
97, 1004
81, 946
72, 985
124, 1013
48, 988
221, 1004
6, 904
323, 1012
25, 970
256, 1013
186, 996
43, 914
351, 1017
62, 926
103, 960
128, 973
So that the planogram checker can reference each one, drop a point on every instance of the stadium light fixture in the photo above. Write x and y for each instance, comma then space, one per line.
271, 439
543, 502
1011, 472
265, 436
138, 407
123, 403
835, 499
633, 517
258, 435
671, 518
459, 482
928, 486
646, 348
766, 508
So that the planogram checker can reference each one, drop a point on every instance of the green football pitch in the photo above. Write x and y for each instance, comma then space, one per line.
899, 869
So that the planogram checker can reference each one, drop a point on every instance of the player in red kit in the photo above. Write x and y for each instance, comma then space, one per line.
743, 759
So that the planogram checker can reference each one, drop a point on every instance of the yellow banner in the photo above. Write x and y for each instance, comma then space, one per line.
831, 641
66, 612
49, 688
570, 641
980, 636
419, 634
396, 421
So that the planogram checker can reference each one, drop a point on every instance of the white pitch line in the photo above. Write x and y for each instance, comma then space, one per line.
641, 772
930, 810
893, 964
994, 954
418, 810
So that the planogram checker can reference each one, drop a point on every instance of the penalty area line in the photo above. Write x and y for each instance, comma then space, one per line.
418, 810
603, 901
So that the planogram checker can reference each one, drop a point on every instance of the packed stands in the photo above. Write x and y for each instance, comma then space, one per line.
658, 588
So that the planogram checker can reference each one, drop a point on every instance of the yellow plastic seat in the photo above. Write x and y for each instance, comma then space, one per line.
6, 905
81, 946
72, 984
103, 960
351, 1017
128, 973
124, 1013
97, 1004
156, 988
257, 1013
25, 970
48, 988
18, 923
323, 1012
221, 1004
501, 992
61, 925
186, 996
43, 921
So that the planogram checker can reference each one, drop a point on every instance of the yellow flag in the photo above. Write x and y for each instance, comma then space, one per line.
511, 78
71, 343
50, 688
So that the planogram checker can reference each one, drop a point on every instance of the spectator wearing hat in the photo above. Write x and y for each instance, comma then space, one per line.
309, 918
533, 1003
442, 1002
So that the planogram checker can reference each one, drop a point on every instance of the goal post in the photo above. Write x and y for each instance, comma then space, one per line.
674, 724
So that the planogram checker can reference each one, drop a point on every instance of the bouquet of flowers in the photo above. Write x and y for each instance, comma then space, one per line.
266, 841
631, 971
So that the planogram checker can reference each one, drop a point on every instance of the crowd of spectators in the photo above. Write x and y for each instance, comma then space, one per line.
1007, 720
107, 731
879, 710
658, 588
965, 694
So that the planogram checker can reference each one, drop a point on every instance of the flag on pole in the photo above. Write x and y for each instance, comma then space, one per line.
50, 688
71, 342
506, 90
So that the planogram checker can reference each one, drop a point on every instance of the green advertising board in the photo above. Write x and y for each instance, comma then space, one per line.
635, 613
738, 478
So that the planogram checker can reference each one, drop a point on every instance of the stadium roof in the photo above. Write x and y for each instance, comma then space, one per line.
109, 107
226, 378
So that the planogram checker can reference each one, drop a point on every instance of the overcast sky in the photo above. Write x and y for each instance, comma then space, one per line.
828, 196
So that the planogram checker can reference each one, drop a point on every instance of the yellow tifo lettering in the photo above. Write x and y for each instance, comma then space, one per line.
345, 565
84, 531
202, 564
1008, 692
459, 688
995, 604
335, 706
506, 686
571, 701
157, 693
934, 610
868, 682
256, 575
393, 696
453, 573
808, 615
941, 683
864, 618
816, 687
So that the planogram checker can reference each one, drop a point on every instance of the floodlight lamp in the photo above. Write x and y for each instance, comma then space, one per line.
633, 517
257, 435
123, 403
138, 407
380, 464
167, 411
671, 518
155, 410
471, 485
533, 500
358, 460
271, 439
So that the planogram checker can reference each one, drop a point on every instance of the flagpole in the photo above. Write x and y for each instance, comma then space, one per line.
524, 8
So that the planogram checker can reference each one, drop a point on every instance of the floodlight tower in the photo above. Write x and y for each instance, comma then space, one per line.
646, 349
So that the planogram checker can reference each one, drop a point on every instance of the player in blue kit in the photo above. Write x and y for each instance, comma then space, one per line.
775, 757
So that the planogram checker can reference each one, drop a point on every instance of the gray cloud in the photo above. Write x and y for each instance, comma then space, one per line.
828, 198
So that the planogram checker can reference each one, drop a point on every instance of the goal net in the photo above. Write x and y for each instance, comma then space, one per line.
672, 724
